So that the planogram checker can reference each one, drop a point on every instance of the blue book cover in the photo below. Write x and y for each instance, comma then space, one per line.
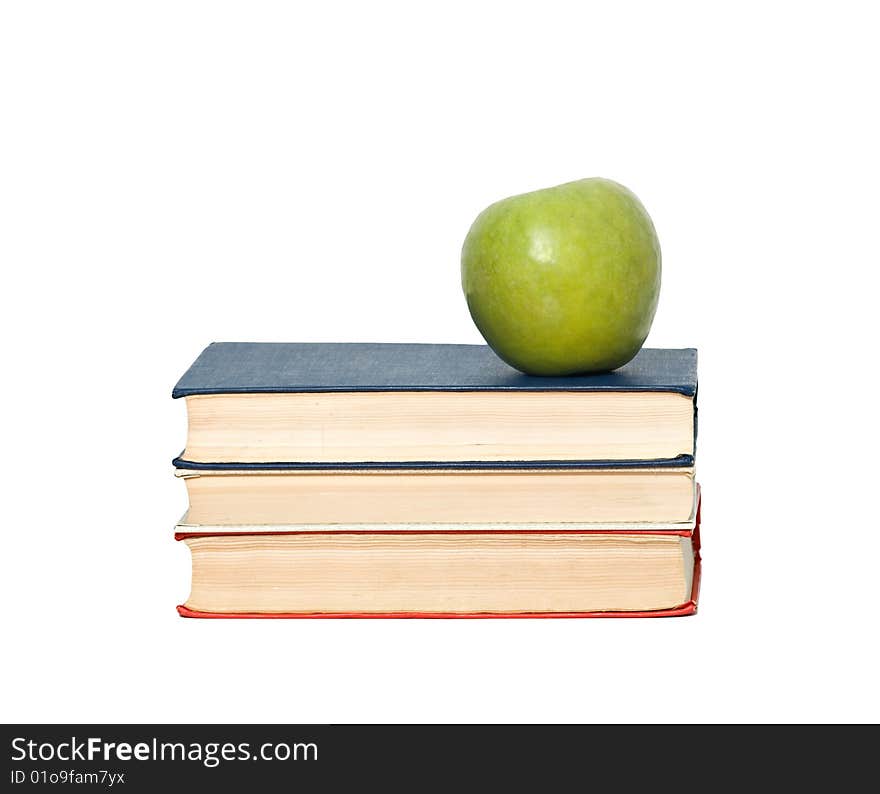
260, 367
231, 368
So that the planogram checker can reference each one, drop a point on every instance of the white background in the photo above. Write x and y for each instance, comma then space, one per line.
177, 173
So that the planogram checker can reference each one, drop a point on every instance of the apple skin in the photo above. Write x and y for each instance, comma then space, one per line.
564, 280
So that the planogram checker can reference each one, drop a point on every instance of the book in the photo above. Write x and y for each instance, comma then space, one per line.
300, 406
436, 574
413, 497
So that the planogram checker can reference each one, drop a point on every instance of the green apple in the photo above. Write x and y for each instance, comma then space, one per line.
563, 280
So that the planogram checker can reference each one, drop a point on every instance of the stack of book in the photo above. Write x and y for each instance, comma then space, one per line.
403, 480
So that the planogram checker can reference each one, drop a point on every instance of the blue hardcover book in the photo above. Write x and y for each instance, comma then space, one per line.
412, 406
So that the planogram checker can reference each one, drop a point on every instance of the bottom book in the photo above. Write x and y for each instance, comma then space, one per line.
552, 573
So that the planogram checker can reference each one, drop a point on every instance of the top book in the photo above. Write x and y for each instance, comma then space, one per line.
316, 405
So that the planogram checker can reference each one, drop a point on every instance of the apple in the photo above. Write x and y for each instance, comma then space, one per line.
564, 280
